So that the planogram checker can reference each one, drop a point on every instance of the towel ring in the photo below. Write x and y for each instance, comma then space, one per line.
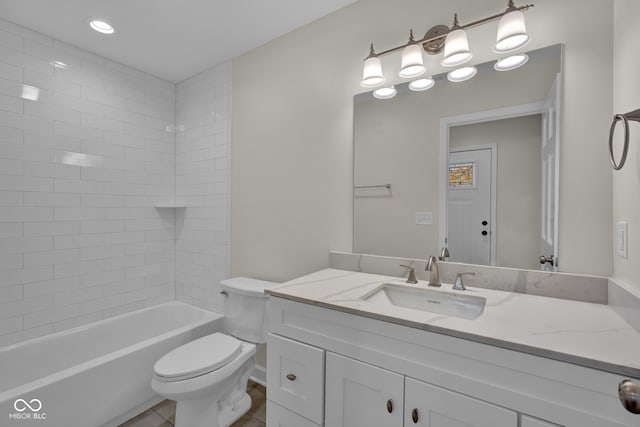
624, 118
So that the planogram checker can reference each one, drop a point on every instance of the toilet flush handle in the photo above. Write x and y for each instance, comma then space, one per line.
224, 293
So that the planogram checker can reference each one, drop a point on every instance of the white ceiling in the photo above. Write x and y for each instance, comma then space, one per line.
171, 39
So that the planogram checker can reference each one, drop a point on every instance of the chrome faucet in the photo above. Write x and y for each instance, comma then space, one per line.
432, 268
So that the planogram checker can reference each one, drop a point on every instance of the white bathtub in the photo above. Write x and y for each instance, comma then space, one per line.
97, 374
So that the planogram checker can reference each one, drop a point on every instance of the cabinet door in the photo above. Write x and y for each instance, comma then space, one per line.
361, 395
428, 405
295, 376
527, 421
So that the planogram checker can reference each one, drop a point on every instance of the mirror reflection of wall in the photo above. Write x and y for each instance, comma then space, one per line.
518, 182
397, 142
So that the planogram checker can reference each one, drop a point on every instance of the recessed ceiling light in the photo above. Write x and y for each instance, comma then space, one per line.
421, 84
385, 92
511, 62
101, 26
462, 74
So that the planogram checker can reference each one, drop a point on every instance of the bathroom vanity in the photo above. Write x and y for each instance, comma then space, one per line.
355, 349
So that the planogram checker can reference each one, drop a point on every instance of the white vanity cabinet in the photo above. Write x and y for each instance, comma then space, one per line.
357, 371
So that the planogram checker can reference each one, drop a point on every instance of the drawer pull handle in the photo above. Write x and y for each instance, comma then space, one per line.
291, 377
630, 396
414, 415
389, 406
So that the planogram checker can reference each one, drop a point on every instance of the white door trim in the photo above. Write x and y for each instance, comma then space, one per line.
446, 123
494, 188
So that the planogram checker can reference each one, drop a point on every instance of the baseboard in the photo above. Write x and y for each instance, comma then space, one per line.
259, 375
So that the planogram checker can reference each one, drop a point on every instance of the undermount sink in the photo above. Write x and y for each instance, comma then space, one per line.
429, 300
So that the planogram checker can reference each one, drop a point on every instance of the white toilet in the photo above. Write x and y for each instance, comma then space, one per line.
208, 377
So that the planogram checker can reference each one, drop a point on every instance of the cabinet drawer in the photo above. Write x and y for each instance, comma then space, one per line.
277, 416
295, 377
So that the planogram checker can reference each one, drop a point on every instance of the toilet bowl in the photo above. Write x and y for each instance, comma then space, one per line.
208, 377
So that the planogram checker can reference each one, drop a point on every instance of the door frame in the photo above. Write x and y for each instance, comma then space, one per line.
494, 185
446, 123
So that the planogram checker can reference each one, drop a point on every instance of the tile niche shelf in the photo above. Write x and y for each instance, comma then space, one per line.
170, 206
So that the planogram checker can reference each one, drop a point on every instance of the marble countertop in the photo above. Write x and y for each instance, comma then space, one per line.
582, 333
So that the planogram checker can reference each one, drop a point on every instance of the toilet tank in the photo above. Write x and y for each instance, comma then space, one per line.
245, 307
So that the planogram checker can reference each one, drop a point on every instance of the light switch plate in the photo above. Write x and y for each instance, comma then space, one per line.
424, 218
622, 234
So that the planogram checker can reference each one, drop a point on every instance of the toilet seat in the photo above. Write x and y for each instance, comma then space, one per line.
198, 357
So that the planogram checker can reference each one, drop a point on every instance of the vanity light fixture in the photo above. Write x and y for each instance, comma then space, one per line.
372, 73
462, 74
511, 62
422, 84
456, 46
101, 26
412, 65
512, 31
385, 92
512, 35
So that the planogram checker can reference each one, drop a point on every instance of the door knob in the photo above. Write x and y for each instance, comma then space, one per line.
484, 232
414, 415
629, 394
389, 406
485, 222
544, 260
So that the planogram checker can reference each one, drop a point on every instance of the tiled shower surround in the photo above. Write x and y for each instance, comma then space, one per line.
87, 154
203, 146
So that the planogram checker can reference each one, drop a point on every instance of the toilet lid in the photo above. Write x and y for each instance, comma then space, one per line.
198, 357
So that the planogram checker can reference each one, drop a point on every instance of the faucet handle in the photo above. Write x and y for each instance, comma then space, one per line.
412, 274
444, 254
459, 285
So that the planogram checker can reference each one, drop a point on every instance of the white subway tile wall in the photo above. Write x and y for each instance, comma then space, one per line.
87, 149
203, 183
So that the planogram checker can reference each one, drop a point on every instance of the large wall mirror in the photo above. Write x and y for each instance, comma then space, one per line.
471, 166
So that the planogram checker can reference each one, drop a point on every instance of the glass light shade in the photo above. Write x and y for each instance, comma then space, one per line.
412, 65
511, 62
372, 72
456, 49
512, 32
385, 92
421, 84
462, 74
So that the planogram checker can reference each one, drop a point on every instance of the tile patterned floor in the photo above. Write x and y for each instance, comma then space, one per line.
164, 413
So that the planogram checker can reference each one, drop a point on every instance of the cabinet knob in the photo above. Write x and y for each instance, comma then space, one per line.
389, 406
414, 415
291, 377
629, 394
